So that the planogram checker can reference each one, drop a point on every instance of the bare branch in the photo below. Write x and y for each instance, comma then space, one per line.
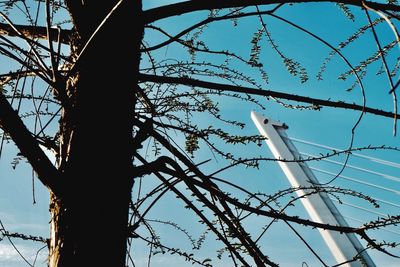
177, 9
198, 213
266, 93
11, 123
33, 32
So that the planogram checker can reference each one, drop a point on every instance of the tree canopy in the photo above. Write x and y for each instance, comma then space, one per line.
135, 117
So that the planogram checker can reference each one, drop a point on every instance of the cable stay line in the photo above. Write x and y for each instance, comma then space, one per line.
360, 208
365, 183
387, 202
355, 180
318, 206
344, 177
373, 159
383, 175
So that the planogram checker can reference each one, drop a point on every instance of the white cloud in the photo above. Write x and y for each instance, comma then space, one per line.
8, 253
9, 256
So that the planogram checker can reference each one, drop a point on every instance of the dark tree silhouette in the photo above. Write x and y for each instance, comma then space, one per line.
96, 70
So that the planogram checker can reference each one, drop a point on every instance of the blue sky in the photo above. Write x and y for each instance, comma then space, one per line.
331, 127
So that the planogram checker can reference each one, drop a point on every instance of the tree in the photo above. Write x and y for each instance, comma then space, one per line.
112, 93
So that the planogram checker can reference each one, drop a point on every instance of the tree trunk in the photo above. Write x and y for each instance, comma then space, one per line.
89, 219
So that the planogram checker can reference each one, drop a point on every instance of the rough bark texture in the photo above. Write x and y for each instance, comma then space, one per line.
89, 218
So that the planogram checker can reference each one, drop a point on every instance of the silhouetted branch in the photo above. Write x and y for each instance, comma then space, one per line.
198, 213
188, 257
11, 123
267, 93
25, 237
388, 74
33, 32
177, 9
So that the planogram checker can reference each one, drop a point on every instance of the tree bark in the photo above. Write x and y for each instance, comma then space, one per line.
90, 217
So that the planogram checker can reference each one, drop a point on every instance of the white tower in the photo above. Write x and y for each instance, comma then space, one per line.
319, 206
